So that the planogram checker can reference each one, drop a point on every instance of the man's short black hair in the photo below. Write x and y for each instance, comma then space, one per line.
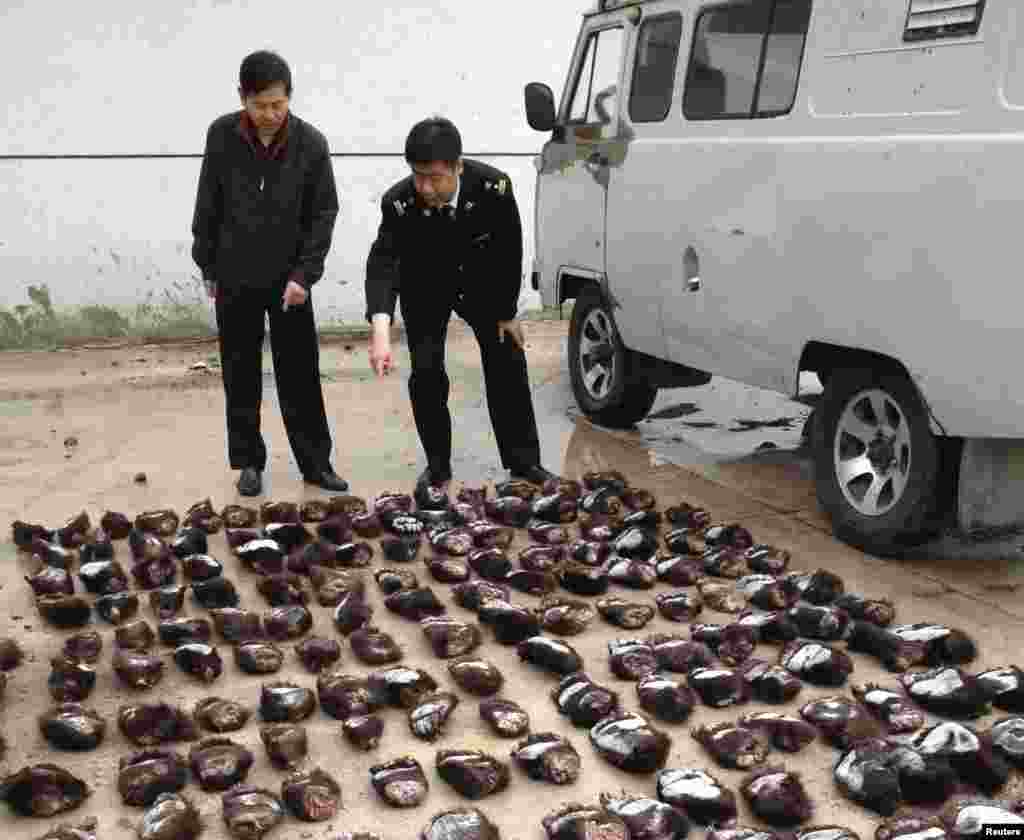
260, 70
433, 139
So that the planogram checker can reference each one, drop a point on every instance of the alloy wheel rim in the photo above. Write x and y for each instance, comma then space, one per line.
872, 452
597, 356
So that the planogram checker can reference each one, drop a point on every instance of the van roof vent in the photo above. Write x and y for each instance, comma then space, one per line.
942, 19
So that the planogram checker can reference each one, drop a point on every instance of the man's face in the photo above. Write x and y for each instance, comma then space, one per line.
267, 109
435, 182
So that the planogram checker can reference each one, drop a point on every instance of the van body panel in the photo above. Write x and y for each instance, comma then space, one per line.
881, 213
570, 212
644, 260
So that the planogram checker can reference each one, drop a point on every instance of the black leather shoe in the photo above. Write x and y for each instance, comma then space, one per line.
250, 483
535, 474
328, 480
433, 478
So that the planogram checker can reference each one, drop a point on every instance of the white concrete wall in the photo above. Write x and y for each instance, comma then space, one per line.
114, 232
143, 78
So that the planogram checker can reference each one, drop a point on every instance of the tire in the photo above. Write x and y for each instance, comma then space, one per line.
807, 432
882, 503
602, 370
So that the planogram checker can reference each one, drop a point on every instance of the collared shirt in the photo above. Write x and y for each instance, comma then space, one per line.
453, 202
276, 147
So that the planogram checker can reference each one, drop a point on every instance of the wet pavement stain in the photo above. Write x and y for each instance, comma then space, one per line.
674, 411
754, 425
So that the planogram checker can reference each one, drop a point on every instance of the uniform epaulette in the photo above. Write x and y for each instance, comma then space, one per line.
401, 196
401, 205
499, 186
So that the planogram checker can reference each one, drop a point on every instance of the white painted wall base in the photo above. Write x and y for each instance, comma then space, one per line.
114, 232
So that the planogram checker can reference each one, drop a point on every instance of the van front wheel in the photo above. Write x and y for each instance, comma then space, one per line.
876, 460
602, 370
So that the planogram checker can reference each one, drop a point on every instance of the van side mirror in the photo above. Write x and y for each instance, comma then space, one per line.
540, 106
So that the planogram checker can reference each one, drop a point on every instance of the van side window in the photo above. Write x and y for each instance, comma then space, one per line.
745, 61
595, 100
783, 55
654, 72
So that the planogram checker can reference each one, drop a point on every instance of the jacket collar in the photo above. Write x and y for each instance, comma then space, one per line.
277, 145
454, 200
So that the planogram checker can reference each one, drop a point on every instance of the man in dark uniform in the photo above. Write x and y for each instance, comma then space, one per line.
450, 239
263, 223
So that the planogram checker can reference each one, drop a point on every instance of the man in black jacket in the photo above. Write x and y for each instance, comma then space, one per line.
450, 239
263, 224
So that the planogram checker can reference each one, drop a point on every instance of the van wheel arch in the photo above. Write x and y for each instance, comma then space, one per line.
822, 359
572, 286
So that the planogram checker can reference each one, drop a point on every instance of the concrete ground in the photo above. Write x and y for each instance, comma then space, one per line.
79, 425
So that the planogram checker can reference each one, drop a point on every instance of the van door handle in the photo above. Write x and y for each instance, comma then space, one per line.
691, 269
598, 159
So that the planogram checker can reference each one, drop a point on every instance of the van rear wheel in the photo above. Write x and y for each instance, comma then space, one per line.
876, 460
602, 369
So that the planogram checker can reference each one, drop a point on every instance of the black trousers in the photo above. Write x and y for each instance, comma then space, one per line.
506, 381
296, 354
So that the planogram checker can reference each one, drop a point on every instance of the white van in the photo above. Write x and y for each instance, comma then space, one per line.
756, 188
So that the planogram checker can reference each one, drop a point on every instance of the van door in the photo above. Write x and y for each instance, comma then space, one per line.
573, 167
722, 309
646, 193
